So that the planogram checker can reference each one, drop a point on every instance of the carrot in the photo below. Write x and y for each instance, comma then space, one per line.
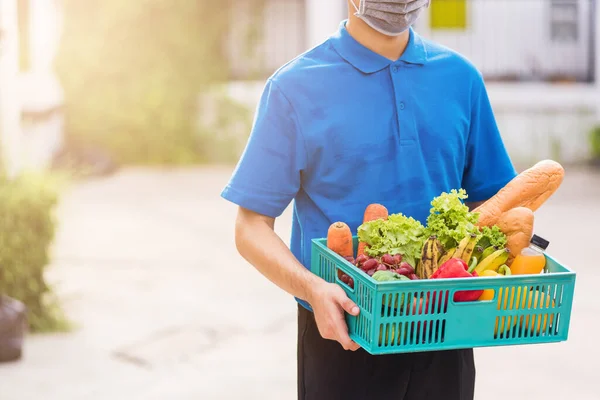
531, 188
372, 212
339, 239
517, 225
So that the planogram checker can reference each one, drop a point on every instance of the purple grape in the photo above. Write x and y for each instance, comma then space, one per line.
387, 259
407, 266
370, 264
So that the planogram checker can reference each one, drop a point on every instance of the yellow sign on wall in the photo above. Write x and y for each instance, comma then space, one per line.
448, 14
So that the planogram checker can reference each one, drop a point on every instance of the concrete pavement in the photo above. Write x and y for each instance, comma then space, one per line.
146, 266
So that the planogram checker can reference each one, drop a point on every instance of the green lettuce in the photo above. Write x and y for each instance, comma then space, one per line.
450, 219
492, 237
398, 234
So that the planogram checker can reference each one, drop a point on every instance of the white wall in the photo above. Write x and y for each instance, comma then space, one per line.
281, 36
10, 105
40, 89
323, 18
513, 37
37, 90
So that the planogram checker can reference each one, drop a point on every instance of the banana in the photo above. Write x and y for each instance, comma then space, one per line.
429, 258
448, 255
462, 245
468, 250
440, 251
437, 250
487, 252
478, 252
473, 264
493, 261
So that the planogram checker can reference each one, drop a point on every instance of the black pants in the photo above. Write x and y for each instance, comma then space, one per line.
328, 372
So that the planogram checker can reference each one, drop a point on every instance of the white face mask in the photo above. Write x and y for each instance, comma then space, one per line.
390, 17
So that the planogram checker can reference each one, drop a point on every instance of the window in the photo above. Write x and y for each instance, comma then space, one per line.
564, 18
23, 18
448, 14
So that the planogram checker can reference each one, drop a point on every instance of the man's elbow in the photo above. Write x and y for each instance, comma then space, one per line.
240, 235
246, 225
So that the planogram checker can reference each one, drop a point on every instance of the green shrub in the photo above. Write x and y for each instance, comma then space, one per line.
132, 72
224, 127
595, 142
27, 229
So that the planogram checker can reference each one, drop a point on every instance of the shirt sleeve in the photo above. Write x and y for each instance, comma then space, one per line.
268, 174
488, 167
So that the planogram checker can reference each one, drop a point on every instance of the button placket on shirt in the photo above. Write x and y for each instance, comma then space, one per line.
404, 119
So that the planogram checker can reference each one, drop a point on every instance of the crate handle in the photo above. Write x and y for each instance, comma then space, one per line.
474, 302
342, 283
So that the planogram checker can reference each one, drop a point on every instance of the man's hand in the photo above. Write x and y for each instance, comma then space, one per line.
329, 301
258, 244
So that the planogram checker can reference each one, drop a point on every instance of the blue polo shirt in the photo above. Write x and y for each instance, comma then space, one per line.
341, 127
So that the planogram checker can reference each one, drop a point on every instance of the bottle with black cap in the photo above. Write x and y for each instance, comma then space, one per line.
531, 260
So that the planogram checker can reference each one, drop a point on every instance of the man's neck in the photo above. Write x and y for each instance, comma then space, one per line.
390, 47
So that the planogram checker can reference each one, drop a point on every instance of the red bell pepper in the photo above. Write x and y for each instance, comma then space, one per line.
457, 268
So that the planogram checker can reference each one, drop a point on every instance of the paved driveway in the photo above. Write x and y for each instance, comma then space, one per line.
166, 309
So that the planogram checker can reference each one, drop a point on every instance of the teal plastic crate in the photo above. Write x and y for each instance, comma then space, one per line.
414, 316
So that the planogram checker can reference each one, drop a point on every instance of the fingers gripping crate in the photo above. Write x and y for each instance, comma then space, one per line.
421, 315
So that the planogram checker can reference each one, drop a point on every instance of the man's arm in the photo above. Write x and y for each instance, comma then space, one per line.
258, 243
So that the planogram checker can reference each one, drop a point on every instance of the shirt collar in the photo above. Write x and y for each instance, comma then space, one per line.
367, 60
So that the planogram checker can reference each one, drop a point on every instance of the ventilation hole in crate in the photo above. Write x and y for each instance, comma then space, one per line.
389, 334
360, 295
437, 302
397, 335
382, 330
562, 292
443, 331
556, 326
406, 307
384, 305
446, 296
432, 338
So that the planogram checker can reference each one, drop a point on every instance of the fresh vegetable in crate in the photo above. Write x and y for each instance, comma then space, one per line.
398, 235
488, 294
373, 212
457, 268
430, 255
339, 240
387, 262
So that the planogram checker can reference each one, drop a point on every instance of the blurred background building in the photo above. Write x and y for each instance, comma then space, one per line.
539, 57
31, 98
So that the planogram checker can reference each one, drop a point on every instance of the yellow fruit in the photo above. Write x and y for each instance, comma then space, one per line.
390, 337
539, 301
536, 302
488, 294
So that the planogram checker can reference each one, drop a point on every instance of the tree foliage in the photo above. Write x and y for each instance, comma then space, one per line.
132, 72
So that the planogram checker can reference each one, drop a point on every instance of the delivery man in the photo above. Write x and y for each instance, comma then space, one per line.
374, 114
